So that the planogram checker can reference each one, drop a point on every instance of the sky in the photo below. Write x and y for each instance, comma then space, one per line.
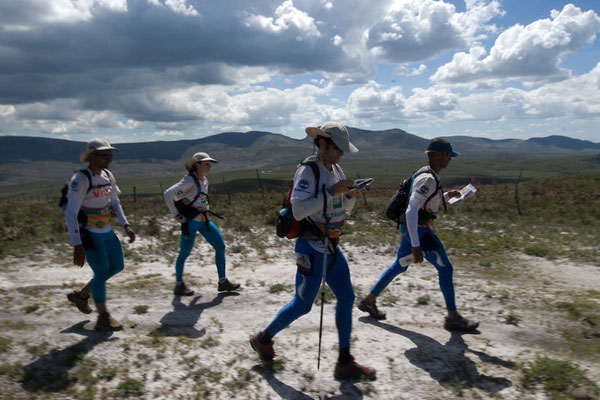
146, 70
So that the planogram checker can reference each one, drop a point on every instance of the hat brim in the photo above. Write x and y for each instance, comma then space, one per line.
189, 163
452, 152
84, 157
347, 146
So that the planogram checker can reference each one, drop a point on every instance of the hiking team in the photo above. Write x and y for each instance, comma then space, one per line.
320, 196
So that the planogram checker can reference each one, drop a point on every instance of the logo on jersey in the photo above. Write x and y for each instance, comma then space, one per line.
99, 193
423, 189
303, 184
74, 186
337, 202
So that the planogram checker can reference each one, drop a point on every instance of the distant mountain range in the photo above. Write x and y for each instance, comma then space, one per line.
266, 148
256, 149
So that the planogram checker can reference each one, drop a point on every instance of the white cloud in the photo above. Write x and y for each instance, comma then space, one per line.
417, 71
286, 17
372, 102
532, 53
178, 6
418, 30
167, 133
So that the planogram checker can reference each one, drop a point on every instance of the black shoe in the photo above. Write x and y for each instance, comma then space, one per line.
80, 302
227, 286
107, 323
371, 308
460, 323
182, 290
265, 350
353, 370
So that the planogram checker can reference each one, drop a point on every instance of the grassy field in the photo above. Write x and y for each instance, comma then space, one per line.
559, 222
386, 174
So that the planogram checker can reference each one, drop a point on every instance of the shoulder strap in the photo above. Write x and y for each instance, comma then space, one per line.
317, 173
89, 177
197, 182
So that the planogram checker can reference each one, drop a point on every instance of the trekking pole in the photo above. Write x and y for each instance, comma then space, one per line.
325, 243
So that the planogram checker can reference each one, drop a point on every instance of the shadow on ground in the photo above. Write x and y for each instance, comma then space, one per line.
50, 372
347, 388
182, 320
447, 363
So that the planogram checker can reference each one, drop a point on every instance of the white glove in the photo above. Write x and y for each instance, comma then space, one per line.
181, 218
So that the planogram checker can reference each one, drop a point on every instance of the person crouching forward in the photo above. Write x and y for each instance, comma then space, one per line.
93, 194
188, 201
310, 196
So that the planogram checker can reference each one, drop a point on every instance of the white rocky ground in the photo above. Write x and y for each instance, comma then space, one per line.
197, 347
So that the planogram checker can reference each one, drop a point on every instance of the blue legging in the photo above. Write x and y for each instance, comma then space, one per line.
106, 261
437, 257
307, 287
212, 236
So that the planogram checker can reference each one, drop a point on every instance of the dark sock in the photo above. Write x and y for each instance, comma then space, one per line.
344, 355
265, 337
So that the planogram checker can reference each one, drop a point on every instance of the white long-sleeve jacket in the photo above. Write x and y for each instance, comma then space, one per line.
97, 203
423, 186
186, 190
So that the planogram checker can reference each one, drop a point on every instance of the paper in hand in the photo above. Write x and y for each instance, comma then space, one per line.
465, 193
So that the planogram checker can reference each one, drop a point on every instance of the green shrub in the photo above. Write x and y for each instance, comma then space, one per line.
557, 377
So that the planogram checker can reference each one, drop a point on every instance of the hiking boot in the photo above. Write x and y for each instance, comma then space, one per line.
182, 290
227, 286
371, 308
460, 323
265, 351
107, 323
80, 302
352, 370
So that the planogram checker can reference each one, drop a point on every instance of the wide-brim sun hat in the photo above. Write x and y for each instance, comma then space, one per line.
336, 132
442, 146
197, 158
93, 145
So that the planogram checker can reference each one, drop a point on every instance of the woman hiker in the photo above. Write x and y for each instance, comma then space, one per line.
188, 201
93, 195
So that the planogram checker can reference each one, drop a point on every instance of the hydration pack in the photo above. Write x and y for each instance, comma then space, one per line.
287, 226
396, 209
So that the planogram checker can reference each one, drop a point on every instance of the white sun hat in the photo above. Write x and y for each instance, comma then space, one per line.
197, 158
336, 132
96, 144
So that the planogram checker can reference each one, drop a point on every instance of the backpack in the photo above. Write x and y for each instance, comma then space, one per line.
287, 226
396, 209
62, 203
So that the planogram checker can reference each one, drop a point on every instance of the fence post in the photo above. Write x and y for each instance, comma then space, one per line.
260, 185
134, 195
364, 194
517, 192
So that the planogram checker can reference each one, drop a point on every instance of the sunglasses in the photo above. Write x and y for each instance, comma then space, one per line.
103, 156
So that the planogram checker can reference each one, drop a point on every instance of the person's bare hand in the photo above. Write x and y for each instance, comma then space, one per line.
355, 193
342, 186
78, 255
417, 255
130, 232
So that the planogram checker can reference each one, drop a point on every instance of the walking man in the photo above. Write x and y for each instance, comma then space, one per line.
320, 202
419, 239
188, 201
93, 195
